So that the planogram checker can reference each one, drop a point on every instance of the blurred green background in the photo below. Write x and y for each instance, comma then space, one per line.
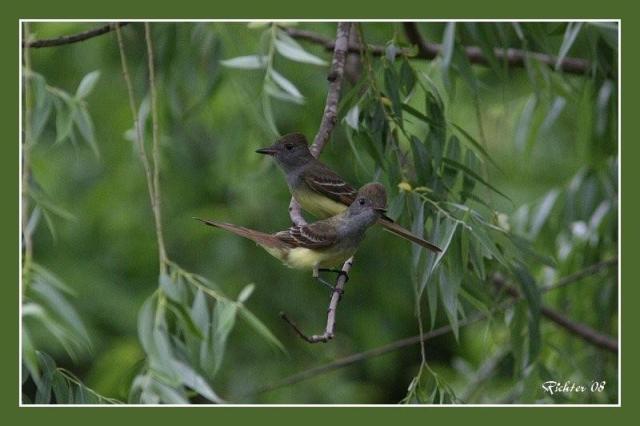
211, 122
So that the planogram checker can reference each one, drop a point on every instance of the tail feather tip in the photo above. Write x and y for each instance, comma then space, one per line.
206, 222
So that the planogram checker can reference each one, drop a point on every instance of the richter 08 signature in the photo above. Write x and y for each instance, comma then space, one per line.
552, 387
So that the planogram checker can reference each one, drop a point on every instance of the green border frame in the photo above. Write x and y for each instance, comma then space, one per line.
399, 9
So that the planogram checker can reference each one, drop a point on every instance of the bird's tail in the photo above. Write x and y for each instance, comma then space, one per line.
394, 228
260, 238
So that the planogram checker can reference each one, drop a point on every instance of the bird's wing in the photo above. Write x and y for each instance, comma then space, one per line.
313, 236
394, 228
324, 181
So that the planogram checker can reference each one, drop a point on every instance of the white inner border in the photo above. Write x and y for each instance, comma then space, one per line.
619, 404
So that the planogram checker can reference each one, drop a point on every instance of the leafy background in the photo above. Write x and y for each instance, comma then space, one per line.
513, 170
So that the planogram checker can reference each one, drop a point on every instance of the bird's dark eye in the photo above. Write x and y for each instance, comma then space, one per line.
289, 146
361, 201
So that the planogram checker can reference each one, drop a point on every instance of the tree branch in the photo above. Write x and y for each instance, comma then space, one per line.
336, 295
580, 330
515, 58
154, 191
27, 237
155, 149
583, 331
413, 34
361, 356
583, 273
327, 124
330, 115
410, 341
75, 38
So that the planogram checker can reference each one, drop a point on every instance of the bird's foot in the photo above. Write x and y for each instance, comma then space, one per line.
325, 283
340, 273
333, 289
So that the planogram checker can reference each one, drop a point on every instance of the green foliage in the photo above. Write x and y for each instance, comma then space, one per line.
512, 172
46, 305
275, 85
184, 336
427, 388
445, 174
72, 113
59, 386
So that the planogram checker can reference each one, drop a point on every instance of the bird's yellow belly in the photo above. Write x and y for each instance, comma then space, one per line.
304, 258
318, 205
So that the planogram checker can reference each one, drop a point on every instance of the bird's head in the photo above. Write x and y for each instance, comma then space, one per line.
290, 150
371, 199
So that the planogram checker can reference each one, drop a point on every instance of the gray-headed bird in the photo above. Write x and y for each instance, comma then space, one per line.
318, 189
323, 244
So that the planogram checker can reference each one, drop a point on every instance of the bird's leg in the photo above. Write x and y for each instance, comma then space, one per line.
334, 270
326, 283
340, 272
316, 275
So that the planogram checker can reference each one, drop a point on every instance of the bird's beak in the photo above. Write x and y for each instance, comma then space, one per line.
270, 150
381, 210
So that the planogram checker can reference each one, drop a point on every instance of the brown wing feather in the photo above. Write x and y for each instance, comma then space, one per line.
313, 236
323, 180
394, 228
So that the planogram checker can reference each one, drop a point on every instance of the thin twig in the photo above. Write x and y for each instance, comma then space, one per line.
409, 341
155, 149
586, 272
27, 239
70, 377
74, 38
141, 150
515, 58
327, 124
331, 311
361, 356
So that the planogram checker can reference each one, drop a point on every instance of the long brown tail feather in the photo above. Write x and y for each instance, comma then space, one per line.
407, 235
258, 237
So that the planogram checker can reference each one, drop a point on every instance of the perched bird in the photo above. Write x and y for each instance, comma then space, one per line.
318, 189
325, 243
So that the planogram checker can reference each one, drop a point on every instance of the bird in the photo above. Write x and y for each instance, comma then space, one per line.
324, 244
318, 189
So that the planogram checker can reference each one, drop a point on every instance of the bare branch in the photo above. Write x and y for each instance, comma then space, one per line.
515, 58
75, 38
295, 213
141, 148
580, 330
583, 273
410, 341
27, 237
361, 356
329, 330
329, 117
327, 124
155, 149
583, 331
425, 49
